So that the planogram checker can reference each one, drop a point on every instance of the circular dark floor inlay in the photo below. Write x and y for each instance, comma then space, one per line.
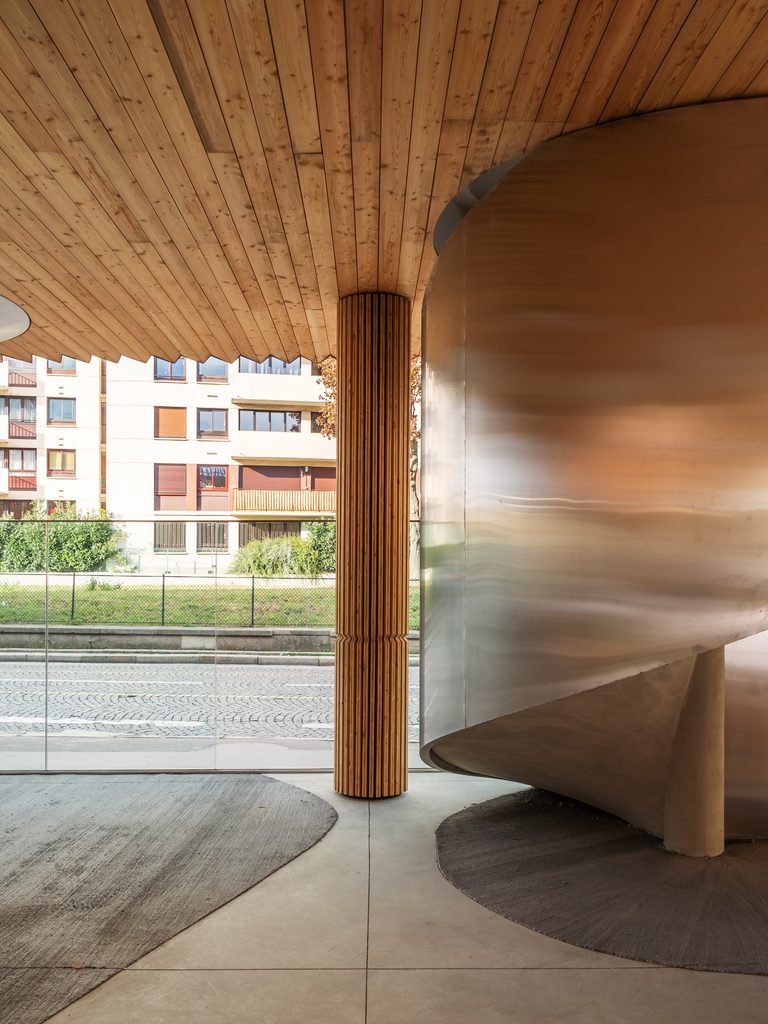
583, 876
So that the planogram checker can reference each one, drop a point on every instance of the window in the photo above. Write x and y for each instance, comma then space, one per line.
212, 536
22, 414
170, 536
170, 478
170, 421
65, 366
270, 365
266, 530
315, 369
212, 369
22, 373
166, 370
211, 422
61, 410
212, 478
267, 419
22, 410
18, 459
61, 462
317, 426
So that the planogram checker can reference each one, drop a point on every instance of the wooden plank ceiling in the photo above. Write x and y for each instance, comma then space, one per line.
208, 176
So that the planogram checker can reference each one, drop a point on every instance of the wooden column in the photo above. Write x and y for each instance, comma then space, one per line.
372, 545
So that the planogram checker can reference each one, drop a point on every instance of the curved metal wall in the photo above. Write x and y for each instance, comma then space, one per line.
595, 482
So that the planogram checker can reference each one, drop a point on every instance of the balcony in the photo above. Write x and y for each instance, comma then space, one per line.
25, 431
22, 480
284, 502
3, 481
276, 391
295, 449
18, 378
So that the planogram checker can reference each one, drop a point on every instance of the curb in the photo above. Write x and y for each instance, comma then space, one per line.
174, 657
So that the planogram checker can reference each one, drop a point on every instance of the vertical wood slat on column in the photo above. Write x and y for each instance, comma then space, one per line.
371, 750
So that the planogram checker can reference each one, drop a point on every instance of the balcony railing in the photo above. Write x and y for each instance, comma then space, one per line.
22, 378
283, 501
26, 430
22, 480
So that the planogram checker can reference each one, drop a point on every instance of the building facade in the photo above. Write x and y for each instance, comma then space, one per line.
51, 434
197, 459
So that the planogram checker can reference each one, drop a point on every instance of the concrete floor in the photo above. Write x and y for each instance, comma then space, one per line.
363, 929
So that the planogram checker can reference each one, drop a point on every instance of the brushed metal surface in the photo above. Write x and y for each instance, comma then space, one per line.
595, 487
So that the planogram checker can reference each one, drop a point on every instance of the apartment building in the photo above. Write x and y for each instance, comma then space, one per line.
51, 434
196, 458
205, 457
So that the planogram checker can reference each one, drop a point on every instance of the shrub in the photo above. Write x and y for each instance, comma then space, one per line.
83, 545
278, 556
322, 536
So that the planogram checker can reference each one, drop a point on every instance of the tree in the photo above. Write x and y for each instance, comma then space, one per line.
82, 544
327, 418
322, 537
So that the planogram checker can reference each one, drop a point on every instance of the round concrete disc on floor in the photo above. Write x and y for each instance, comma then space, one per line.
580, 875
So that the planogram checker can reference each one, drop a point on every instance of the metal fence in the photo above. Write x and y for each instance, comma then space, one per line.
165, 599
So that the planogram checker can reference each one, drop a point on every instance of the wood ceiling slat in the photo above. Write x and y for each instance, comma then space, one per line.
589, 23
474, 31
654, 41
49, 68
759, 84
510, 37
254, 40
731, 35
436, 40
617, 43
174, 27
328, 47
746, 64
548, 32
45, 220
214, 30
25, 282
364, 55
315, 196
290, 39
169, 98
66, 297
401, 49
95, 48
686, 52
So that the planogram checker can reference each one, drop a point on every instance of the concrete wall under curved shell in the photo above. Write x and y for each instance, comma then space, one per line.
595, 482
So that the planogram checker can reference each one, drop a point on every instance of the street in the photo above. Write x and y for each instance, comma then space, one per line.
182, 699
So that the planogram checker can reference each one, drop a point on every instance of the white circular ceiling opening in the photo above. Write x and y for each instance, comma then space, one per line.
13, 320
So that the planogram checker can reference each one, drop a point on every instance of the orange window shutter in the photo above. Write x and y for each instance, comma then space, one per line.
170, 422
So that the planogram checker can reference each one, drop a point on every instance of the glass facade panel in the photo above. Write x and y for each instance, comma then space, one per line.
67, 366
61, 462
166, 370
276, 421
270, 365
61, 410
213, 369
212, 477
211, 422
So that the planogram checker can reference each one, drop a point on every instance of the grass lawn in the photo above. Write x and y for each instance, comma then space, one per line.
124, 604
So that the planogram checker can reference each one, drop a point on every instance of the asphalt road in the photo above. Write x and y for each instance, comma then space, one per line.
172, 700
